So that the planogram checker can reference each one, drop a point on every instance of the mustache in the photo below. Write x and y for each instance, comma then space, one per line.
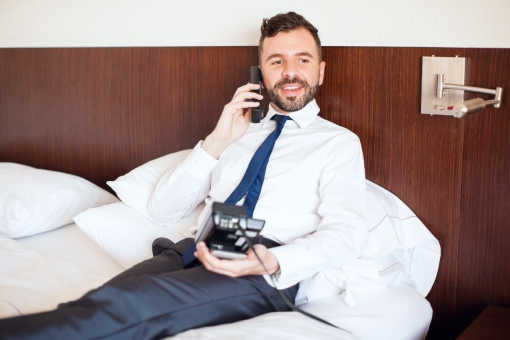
294, 80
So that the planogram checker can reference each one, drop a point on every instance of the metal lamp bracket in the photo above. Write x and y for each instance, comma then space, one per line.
440, 74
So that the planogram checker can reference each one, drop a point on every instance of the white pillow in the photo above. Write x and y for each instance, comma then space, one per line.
33, 200
126, 234
135, 188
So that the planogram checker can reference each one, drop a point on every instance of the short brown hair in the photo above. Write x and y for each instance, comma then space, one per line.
286, 23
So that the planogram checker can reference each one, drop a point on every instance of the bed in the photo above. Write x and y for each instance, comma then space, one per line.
61, 236
100, 112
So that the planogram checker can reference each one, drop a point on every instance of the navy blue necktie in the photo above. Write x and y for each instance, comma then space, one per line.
251, 183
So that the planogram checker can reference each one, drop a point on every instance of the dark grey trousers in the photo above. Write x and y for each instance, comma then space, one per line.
153, 299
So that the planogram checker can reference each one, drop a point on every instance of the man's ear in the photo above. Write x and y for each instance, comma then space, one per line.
322, 66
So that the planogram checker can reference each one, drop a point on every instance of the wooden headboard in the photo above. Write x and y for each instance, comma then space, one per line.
100, 112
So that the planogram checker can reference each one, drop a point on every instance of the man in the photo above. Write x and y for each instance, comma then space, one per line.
312, 199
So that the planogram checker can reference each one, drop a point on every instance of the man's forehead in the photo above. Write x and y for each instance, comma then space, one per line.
296, 42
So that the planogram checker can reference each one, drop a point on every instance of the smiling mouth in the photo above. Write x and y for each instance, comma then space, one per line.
291, 88
290, 95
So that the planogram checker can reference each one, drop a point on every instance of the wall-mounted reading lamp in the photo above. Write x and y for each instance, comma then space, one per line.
442, 73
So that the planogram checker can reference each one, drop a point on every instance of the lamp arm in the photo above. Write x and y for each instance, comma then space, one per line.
441, 86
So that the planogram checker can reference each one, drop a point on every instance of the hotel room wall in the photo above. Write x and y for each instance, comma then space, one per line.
129, 23
100, 112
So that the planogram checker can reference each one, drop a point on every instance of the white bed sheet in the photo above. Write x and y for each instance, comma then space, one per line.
39, 272
399, 312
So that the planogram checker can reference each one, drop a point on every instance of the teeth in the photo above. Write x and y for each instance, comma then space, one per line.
291, 88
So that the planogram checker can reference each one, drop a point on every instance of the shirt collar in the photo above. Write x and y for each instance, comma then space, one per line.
302, 118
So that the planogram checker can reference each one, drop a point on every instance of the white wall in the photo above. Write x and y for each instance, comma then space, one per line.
83, 23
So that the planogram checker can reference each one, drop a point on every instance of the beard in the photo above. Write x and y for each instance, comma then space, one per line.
292, 104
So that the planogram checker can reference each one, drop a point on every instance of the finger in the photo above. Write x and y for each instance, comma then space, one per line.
260, 248
202, 250
246, 88
232, 268
247, 115
216, 265
247, 95
244, 96
205, 256
239, 108
251, 255
242, 105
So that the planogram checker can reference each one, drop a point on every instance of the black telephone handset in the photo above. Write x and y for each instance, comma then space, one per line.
257, 113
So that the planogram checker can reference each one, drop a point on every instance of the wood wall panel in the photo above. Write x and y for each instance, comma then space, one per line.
484, 255
99, 112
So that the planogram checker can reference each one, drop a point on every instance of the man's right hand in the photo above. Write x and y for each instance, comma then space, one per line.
233, 122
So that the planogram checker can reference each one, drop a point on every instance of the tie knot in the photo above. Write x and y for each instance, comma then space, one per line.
281, 119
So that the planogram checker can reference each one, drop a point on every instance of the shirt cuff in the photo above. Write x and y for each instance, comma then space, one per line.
199, 163
289, 266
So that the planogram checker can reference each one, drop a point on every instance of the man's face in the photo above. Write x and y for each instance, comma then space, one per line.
291, 69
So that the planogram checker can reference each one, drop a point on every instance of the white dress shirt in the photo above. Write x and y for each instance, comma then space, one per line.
312, 199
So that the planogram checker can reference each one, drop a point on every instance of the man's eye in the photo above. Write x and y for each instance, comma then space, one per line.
303, 60
277, 62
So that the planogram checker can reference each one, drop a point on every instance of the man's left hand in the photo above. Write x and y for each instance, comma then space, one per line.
237, 268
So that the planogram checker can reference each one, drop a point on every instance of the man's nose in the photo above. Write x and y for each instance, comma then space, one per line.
290, 70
